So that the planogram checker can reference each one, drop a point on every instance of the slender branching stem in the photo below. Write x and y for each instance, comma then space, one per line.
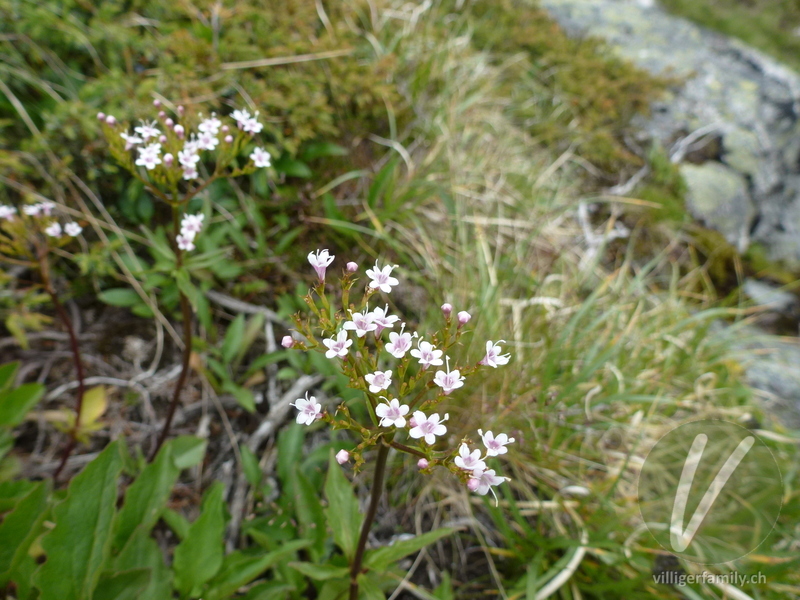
377, 491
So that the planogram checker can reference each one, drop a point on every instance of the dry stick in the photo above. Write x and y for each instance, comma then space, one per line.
377, 490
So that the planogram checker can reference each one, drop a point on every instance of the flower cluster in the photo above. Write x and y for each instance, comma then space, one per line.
396, 375
190, 227
42, 211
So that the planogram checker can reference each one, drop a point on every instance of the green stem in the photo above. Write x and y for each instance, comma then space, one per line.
377, 490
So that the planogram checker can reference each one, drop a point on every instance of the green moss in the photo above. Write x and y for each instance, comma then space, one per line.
665, 188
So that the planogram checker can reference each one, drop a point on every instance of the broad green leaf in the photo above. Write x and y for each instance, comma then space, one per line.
120, 297
252, 470
271, 590
6, 444
319, 149
320, 572
7, 373
342, 512
369, 588
146, 497
381, 559
233, 339
290, 451
310, 514
79, 544
254, 328
15, 404
199, 557
11, 492
20, 528
188, 451
292, 167
126, 585
177, 522
335, 589
243, 396
142, 552
239, 569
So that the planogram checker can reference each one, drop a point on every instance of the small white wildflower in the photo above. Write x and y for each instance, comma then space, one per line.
72, 229
310, 410
469, 461
427, 354
378, 381
260, 158
493, 356
495, 446
337, 346
382, 278
392, 413
428, 427
320, 260
53, 230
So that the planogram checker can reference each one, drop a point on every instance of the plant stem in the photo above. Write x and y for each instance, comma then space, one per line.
377, 490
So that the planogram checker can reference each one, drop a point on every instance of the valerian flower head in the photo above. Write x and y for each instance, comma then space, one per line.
469, 461
149, 156
252, 125
337, 346
482, 482
73, 229
32, 210
399, 344
382, 278
191, 225
361, 323
185, 242
392, 413
53, 230
495, 446
450, 380
493, 356
428, 427
130, 140
382, 319
261, 158
7, 212
147, 130
320, 260
210, 125
378, 381
207, 141
47, 207
309, 409
241, 117
427, 354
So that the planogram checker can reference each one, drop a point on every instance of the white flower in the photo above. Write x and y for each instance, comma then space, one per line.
252, 125
185, 243
483, 481
361, 324
188, 157
469, 461
427, 354
382, 319
392, 413
32, 210
342, 456
130, 140
72, 229
428, 427
337, 346
310, 410
207, 141
320, 260
191, 225
241, 117
382, 278
399, 344
260, 157
493, 356
210, 125
149, 156
7, 212
53, 230
449, 381
190, 173
378, 381
495, 446
47, 207
147, 130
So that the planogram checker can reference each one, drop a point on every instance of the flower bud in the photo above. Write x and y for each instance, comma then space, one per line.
168, 158
447, 308
101, 116
169, 123
161, 114
162, 139
225, 129
111, 120
473, 484
463, 318
287, 341
180, 110
352, 267
228, 139
156, 102
423, 463
342, 456
179, 131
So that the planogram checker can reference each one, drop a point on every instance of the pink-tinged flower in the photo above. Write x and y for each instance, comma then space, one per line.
168, 159
463, 318
225, 129
210, 125
47, 207
101, 116
162, 139
147, 130
180, 109
428, 427
190, 173
32, 210
361, 323
378, 381
252, 125
351, 267
169, 123
240, 116
188, 157
185, 242
320, 260
149, 156
495, 446
382, 278
287, 341
427, 354
260, 158
228, 139
342, 456
469, 461
392, 413
310, 410
7, 212
207, 141
382, 319
156, 102
73, 229
482, 482
337, 346
53, 230
447, 308
450, 380
423, 463
111, 120
179, 131
161, 114
130, 140
191, 225
399, 344
493, 356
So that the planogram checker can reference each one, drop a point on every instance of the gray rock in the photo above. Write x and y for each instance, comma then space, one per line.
769, 296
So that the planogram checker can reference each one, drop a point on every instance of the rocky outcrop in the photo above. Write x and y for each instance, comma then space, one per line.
735, 108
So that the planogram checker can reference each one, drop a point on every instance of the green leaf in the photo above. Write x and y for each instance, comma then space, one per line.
271, 590
335, 589
383, 179
199, 556
7, 373
310, 514
316, 150
20, 528
369, 588
233, 339
290, 451
11, 492
239, 569
127, 585
120, 297
342, 512
252, 470
243, 396
142, 552
320, 572
381, 559
177, 522
79, 544
146, 497
188, 451
15, 404
292, 168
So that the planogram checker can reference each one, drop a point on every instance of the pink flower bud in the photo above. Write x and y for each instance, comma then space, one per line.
447, 308
111, 120
179, 131
168, 158
473, 484
180, 110
342, 456
463, 318
352, 267
161, 114
225, 129
162, 139
423, 463
101, 116
228, 139
412, 422
287, 341
169, 123
156, 102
